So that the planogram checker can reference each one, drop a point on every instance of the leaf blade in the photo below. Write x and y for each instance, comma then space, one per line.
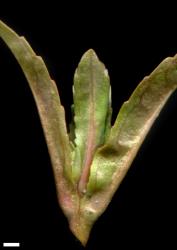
91, 103
46, 97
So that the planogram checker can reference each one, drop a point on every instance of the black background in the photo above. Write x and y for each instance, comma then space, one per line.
131, 41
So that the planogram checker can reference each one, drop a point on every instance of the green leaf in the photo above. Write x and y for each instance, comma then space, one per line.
47, 100
91, 111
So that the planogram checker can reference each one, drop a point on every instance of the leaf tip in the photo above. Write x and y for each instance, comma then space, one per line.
90, 53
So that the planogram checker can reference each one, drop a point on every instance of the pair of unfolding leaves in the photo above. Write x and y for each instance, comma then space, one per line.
90, 162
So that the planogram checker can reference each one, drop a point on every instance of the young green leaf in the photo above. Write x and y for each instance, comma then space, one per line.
91, 106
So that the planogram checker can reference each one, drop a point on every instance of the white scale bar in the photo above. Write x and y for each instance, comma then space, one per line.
11, 244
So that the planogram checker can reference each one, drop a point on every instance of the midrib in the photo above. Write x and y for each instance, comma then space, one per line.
90, 141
